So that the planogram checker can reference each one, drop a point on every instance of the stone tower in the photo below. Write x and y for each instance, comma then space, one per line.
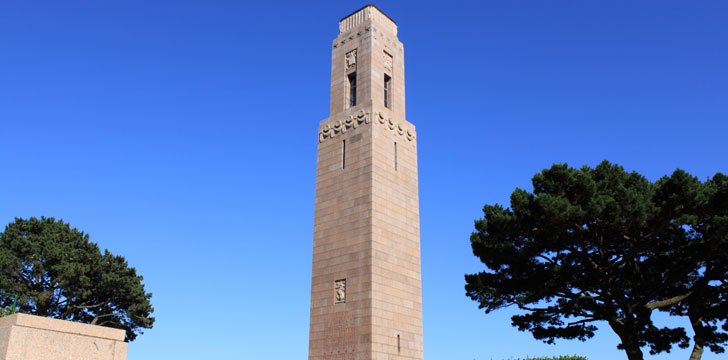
366, 294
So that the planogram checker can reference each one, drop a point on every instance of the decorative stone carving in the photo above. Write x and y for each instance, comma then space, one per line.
340, 127
351, 60
340, 291
387, 62
397, 128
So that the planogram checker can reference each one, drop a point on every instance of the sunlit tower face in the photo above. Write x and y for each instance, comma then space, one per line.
366, 300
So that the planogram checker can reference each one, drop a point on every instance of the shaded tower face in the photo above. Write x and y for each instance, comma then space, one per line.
366, 297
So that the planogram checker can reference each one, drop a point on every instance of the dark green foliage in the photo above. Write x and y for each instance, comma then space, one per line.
562, 357
602, 244
59, 273
567, 357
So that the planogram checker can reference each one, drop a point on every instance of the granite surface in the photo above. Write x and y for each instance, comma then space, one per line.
29, 337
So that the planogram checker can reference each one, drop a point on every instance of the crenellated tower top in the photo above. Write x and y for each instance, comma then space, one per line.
367, 13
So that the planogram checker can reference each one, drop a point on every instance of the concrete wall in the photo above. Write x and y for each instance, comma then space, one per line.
29, 337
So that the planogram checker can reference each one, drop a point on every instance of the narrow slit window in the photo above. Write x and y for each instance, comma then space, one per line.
352, 89
395, 156
387, 91
399, 348
343, 154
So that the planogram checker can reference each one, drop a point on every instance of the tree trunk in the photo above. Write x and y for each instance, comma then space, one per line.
633, 350
629, 340
697, 351
697, 322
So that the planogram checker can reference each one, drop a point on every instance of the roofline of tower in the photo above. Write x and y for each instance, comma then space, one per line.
366, 6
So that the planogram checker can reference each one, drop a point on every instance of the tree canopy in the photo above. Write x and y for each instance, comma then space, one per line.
604, 245
59, 273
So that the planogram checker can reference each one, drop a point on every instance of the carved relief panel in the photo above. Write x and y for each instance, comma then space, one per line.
351, 61
387, 62
340, 291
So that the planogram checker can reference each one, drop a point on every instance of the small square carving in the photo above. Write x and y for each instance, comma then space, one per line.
340, 291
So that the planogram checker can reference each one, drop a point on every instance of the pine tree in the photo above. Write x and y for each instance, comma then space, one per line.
59, 273
601, 245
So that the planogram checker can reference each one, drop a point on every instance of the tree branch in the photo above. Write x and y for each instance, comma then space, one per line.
97, 317
668, 302
550, 261
86, 306
522, 307
581, 322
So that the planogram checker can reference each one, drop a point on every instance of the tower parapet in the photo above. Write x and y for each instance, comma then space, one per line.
367, 13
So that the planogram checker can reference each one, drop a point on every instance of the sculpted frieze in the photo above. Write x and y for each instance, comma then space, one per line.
351, 122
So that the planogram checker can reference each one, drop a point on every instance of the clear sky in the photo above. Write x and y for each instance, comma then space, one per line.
182, 135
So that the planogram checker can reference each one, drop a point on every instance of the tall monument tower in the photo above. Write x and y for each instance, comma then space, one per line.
366, 293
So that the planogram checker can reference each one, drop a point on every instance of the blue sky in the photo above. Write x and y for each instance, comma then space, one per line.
182, 135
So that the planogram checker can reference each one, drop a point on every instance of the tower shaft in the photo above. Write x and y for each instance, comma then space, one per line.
366, 298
